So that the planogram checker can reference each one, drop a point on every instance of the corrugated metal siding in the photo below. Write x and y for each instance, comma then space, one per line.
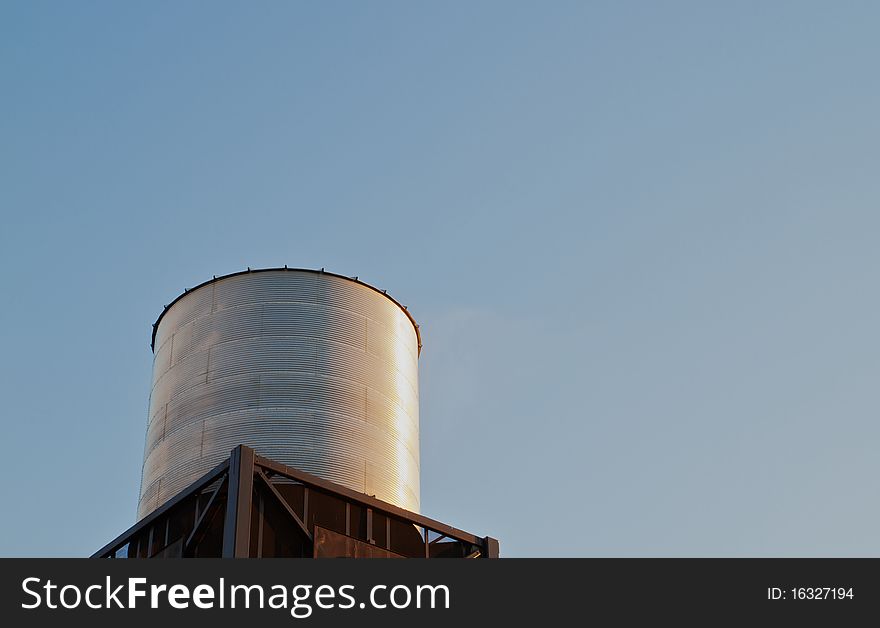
313, 370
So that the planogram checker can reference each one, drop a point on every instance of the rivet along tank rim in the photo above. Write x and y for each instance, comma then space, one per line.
314, 369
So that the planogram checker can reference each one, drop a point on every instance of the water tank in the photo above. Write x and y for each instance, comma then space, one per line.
312, 369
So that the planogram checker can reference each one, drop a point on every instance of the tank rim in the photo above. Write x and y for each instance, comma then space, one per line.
217, 278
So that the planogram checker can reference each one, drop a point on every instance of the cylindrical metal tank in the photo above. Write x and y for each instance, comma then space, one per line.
312, 369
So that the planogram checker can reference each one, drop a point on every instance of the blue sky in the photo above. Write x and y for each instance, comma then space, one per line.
641, 240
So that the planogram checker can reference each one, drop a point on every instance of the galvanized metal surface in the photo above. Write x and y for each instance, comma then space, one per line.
314, 370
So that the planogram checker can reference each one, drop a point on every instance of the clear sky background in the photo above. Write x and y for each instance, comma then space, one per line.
642, 240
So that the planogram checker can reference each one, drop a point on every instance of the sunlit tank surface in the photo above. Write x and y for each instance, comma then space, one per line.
312, 369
